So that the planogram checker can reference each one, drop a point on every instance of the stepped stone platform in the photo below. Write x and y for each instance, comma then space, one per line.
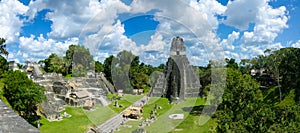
10, 122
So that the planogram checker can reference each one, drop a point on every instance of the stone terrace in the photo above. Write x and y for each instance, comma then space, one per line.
10, 122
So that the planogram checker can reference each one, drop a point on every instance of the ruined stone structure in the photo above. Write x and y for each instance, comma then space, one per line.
178, 80
61, 92
10, 122
13, 66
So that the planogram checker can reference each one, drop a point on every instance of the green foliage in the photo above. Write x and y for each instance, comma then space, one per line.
240, 100
3, 65
128, 72
99, 66
231, 63
3, 99
107, 67
3, 47
282, 67
54, 64
22, 94
79, 60
243, 108
69, 76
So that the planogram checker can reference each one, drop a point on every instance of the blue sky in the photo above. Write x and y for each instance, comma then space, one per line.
211, 29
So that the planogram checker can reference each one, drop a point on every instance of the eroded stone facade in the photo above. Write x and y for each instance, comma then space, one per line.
178, 80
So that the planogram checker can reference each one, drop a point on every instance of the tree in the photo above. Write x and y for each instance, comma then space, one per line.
3, 65
99, 66
107, 67
127, 72
242, 97
78, 61
3, 47
22, 94
54, 64
231, 63
120, 70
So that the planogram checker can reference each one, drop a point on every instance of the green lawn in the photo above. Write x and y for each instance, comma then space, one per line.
126, 101
80, 121
164, 124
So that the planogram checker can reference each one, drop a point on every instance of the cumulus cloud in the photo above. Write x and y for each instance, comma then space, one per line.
296, 44
109, 39
242, 12
68, 20
228, 43
10, 22
268, 23
32, 49
195, 21
69, 17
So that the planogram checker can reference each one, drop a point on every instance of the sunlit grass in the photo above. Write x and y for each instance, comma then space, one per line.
80, 121
165, 124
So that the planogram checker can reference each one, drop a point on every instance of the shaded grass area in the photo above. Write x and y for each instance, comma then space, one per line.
80, 121
190, 109
192, 125
289, 100
125, 101
271, 96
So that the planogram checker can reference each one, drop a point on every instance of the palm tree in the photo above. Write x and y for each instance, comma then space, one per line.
3, 47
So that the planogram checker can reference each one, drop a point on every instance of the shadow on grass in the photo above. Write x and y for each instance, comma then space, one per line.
198, 110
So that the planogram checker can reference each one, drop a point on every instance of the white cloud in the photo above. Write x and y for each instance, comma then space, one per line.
32, 49
109, 39
268, 27
69, 18
296, 44
228, 43
156, 43
209, 9
192, 20
242, 12
268, 23
10, 22
99, 28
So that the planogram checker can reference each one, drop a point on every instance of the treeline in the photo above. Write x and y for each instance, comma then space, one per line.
76, 62
125, 70
260, 95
